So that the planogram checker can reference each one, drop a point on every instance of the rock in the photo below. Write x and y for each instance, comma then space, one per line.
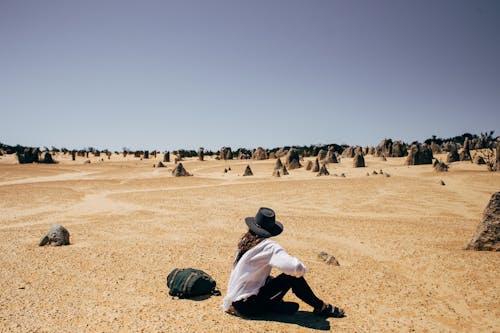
452, 156
161, 165
179, 171
226, 153
359, 161
321, 154
292, 159
278, 165
276, 173
146, 154
329, 259
47, 158
419, 154
465, 153
383, 159
309, 165
285, 171
342, 175
375, 172
57, 235
440, 166
315, 167
487, 235
348, 152
201, 154
323, 171
442, 182
166, 157
259, 154
331, 157
479, 159
248, 171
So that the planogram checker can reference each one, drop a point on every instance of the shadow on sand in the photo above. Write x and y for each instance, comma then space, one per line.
301, 318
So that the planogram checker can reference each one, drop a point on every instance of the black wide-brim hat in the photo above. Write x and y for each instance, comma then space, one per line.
264, 223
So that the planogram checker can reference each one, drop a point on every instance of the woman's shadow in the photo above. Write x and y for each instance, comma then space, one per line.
301, 318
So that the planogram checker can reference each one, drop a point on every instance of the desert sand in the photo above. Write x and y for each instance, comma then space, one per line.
399, 241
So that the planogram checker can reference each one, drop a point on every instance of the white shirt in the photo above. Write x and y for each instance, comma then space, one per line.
253, 268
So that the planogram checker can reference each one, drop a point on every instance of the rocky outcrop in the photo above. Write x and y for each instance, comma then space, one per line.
57, 235
323, 171
179, 171
248, 171
226, 153
292, 159
309, 165
166, 157
359, 160
487, 235
419, 154
259, 154
440, 166
452, 156
47, 158
315, 167
201, 154
321, 154
331, 156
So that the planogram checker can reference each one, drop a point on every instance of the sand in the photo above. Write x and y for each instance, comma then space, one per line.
399, 241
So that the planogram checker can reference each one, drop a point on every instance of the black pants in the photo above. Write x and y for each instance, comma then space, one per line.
274, 291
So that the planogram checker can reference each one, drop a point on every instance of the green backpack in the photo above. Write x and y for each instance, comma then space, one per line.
190, 282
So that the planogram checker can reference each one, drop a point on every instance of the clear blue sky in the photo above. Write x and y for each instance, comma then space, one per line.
184, 74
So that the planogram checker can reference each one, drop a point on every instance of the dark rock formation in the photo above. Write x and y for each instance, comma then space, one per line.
29, 155
399, 149
285, 171
478, 159
315, 168
419, 154
309, 165
487, 235
201, 154
179, 171
452, 156
278, 165
436, 149
465, 152
226, 153
259, 154
348, 152
440, 166
359, 160
321, 154
384, 148
331, 157
248, 171
47, 158
328, 258
146, 154
292, 159
166, 157
323, 171
57, 235
161, 165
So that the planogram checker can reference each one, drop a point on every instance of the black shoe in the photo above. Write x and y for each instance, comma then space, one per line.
330, 311
282, 307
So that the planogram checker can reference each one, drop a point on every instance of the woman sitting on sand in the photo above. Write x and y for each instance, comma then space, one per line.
251, 291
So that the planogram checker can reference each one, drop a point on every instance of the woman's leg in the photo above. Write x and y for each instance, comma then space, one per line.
276, 288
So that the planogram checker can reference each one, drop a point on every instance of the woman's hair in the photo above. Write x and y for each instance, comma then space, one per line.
247, 241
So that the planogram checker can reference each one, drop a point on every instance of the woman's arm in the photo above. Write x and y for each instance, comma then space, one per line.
285, 262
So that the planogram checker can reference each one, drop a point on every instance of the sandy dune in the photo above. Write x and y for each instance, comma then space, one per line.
399, 241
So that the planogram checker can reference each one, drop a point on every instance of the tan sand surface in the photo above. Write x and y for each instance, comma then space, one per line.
399, 241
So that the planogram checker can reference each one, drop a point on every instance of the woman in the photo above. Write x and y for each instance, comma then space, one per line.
251, 291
